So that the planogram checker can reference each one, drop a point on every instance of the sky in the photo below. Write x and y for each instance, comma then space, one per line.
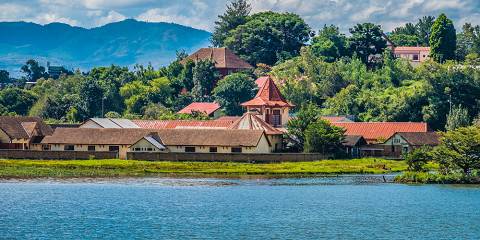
202, 14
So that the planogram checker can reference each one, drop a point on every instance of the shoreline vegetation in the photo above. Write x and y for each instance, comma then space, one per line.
132, 168
437, 178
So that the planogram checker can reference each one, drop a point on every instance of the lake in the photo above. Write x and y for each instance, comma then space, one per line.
346, 207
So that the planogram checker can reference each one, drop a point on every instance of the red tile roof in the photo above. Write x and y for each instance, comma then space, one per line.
260, 81
228, 118
412, 49
223, 58
203, 107
250, 121
175, 124
268, 95
374, 131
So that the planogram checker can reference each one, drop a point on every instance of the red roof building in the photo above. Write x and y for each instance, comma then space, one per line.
269, 103
210, 109
225, 60
375, 132
175, 124
413, 54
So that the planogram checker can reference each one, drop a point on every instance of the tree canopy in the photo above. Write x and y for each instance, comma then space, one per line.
443, 39
234, 90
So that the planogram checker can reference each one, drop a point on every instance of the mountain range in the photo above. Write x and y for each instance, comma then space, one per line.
124, 43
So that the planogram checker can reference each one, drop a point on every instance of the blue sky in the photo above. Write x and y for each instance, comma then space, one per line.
202, 13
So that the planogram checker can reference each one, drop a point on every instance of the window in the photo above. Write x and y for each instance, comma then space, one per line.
396, 140
415, 57
69, 147
137, 149
91, 148
236, 149
113, 148
149, 149
213, 149
46, 147
189, 149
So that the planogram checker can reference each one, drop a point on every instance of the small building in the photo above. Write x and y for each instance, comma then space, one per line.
103, 139
184, 124
353, 144
211, 109
415, 55
250, 121
226, 62
108, 123
269, 103
404, 142
21, 132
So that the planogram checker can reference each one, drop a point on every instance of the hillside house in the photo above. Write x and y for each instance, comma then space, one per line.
226, 62
415, 55
22, 132
269, 103
211, 109
404, 142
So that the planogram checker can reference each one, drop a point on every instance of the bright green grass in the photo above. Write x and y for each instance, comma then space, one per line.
129, 168
437, 178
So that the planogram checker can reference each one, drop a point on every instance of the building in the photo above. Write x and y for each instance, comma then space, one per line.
404, 142
102, 139
183, 124
379, 132
211, 109
164, 140
250, 121
108, 123
415, 55
22, 132
269, 103
353, 145
338, 118
226, 62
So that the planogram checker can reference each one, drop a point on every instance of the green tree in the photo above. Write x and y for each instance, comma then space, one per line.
404, 40
91, 95
366, 41
468, 41
16, 100
459, 150
33, 70
457, 118
424, 29
205, 75
322, 137
299, 124
329, 44
268, 37
418, 158
112, 114
187, 75
4, 77
443, 39
232, 91
235, 15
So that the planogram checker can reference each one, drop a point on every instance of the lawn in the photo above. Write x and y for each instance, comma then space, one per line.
130, 168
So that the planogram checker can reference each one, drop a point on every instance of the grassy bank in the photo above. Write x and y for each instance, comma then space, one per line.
126, 168
436, 178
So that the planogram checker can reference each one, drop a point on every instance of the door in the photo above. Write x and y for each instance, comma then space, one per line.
114, 148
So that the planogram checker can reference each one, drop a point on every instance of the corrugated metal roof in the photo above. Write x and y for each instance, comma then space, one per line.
105, 123
124, 123
154, 142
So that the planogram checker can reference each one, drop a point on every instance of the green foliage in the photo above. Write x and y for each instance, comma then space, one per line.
159, 112
367, 40
297, 126
459, 150
33, 70
17, 101
434, 178
233, 90
91, 94
457, 118
138, 95
418, 158
414, 34
113, 114
268, 37
404, 39
329, 44
205, 75
322, 137
443, 39
235, 15
4, 77
468, 42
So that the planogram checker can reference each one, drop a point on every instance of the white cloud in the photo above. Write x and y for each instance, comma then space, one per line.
112, 16
172, 15
51, 17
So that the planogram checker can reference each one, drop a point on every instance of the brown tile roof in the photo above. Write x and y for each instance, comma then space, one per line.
251, 121
411, 49
374, 131
22, 127
172, 137
354, 140
223, 58
268, 95
203, 107
96, 136
421, 138
175, 124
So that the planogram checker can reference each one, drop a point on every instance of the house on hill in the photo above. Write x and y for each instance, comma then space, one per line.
269, 103
22, 132
404, 142
211, 109
415, 55
226, 62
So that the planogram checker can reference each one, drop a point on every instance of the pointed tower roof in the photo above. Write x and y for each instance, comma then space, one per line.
223, 58
268, 95
250, 121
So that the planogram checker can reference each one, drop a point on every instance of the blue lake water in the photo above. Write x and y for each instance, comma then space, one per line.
348, 207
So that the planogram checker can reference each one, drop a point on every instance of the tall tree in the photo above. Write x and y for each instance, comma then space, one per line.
33, 70
232, 91
4, 77
17, 100
235, 15
424, 29
443, 39
298, 125
366, 41
268, 37
457, 118
329, 44
408, 29
468, 41
205, 76
322, 137
91, 96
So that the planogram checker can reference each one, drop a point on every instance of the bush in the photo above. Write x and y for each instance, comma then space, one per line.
418, 158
